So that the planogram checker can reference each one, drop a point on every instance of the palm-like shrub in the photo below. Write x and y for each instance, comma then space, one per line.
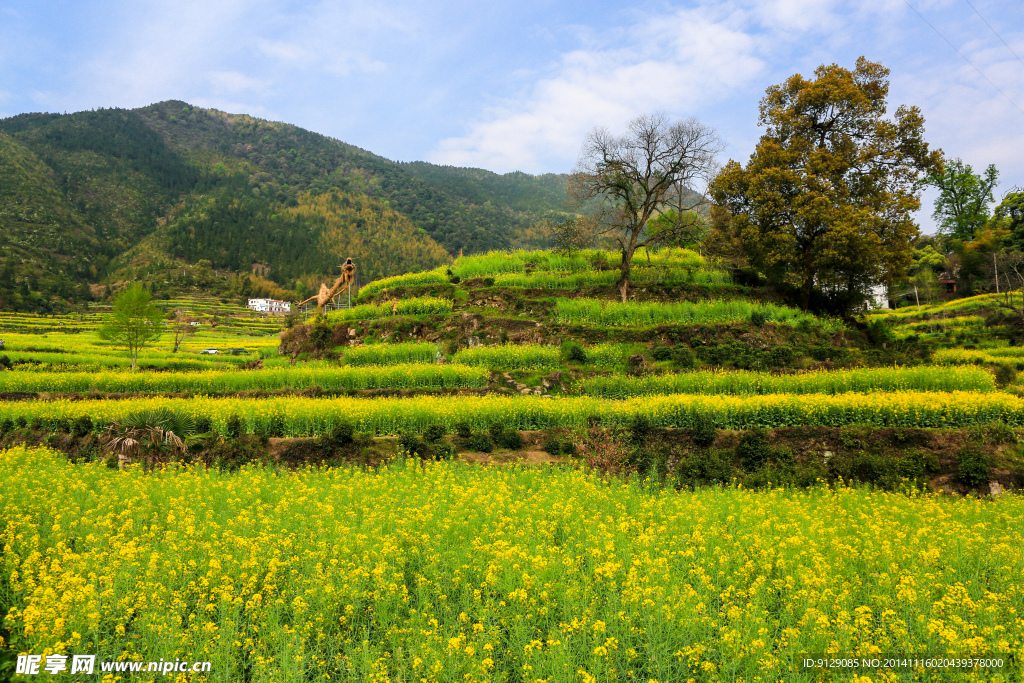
152, 435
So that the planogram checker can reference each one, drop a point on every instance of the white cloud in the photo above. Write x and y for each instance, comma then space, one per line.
797, 15
165, 50
236, 82
337, 38
674, 62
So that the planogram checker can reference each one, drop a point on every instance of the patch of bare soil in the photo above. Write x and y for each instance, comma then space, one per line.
512, 458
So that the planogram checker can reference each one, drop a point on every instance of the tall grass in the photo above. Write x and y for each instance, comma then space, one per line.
510, 356
744, 383
303, 416
391, 354
640, 276
425, 305
430, 277
520, 261
615, 314
406, 376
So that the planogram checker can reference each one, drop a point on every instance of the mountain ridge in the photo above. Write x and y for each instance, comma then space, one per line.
142, 193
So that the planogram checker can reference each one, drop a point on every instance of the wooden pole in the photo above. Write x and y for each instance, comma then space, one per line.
996, 266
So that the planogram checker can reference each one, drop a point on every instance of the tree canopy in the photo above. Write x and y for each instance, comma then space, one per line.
961, 208
825, 200
135, 322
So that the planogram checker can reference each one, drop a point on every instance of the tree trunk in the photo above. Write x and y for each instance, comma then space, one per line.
624, 269
805, 293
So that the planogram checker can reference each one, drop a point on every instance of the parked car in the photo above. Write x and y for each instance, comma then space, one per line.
209, 352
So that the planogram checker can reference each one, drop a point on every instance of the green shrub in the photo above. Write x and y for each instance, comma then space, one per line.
510, 439
753, 450
703, 431
505, 437
341, 435
463, 430
6, 426
780, 356
320, 333
411, 444
1005, 375
443, 451
36, 424
663, 353
576, 353
21, 422
455, 279
552, 446
758, 318
704, 467
879, 332
203, 425
481, 443
640, 429
488, 282
434, 432
234, 426
974, 467
683, 356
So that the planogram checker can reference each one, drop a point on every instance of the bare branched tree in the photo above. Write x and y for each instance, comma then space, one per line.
182, 328
1012, 270
656, 168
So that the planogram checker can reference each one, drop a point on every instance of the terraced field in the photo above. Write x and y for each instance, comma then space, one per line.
319, 550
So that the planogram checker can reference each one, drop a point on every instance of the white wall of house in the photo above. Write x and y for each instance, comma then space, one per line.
272, 306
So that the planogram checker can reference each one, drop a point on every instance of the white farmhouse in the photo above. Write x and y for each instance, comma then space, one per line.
272, 306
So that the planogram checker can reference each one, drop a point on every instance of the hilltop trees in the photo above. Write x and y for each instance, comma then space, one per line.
656, 166
826, 199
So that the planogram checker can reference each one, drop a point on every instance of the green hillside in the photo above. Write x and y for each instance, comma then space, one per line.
45, 241
100, 197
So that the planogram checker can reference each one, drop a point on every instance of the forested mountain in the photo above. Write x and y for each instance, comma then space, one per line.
101, 196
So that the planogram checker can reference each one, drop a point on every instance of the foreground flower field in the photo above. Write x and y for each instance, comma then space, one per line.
454, 572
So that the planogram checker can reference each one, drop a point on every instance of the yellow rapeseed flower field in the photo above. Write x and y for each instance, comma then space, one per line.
303, 416
449, 572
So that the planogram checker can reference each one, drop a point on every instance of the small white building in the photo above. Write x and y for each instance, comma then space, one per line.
272, 306
878, 298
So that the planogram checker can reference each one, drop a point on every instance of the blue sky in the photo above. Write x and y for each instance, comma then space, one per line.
517, 85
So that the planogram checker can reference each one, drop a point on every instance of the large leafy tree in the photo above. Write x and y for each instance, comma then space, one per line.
1009, 215
827, 196
961, 208
654, 170
135, 322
